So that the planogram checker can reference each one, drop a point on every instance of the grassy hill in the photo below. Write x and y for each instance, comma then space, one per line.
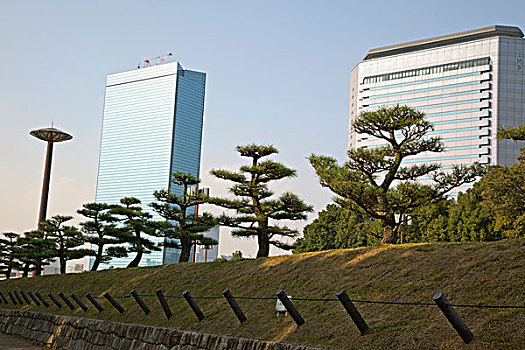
484, 273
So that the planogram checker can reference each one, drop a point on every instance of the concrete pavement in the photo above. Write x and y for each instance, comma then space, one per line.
10, 342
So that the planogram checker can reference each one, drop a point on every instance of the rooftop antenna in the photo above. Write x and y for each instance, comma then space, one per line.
147, 62
163, 58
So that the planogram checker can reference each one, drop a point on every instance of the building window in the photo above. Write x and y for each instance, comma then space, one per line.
428, 70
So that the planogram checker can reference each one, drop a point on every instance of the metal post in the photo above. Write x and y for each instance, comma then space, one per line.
141, 302
39, 296
79, 302
18, 298
164, 303
94, 302
45, 186
26, 297
113, 302
66, 300
55, 300
287, 303
233, 304
193, 305
32, 296
352, 311
453, 317
12, 298
3, 298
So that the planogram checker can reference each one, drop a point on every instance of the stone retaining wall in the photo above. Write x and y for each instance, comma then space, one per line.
75, 333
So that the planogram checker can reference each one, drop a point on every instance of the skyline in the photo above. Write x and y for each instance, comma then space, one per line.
277, 73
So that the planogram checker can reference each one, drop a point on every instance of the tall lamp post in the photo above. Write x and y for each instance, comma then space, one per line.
50, 135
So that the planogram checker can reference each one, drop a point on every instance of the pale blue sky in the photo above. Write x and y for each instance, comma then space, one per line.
278, 72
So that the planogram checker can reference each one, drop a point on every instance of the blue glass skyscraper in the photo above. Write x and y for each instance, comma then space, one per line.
152, 127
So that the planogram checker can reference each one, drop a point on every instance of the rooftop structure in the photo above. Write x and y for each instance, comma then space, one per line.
443, 40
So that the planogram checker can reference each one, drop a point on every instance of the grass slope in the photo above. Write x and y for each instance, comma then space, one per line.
486, 273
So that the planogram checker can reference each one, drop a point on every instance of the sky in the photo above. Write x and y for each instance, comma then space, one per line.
278, 73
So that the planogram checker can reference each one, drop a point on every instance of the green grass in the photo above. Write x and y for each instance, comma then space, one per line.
484, 273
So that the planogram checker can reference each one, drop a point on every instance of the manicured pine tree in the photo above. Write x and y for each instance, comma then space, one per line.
66, 240
257, 214
35, 250
512, 133
374, 181
184, 226
136, 225
8, 248
101, 230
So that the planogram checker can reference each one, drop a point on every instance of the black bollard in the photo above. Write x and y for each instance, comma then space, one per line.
26, 297
79, 302
3, 298
66, 300
233, 304
94, 302
164, 304
18, 298
453, 317
113, 302
141, 302
12, 298
32, 296
39, 296
55, 300
352, 311
193, 305
290, 307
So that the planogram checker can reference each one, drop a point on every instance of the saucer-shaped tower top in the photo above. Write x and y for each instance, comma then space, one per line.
51, 135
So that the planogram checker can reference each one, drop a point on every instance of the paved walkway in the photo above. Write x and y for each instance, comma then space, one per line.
10, 342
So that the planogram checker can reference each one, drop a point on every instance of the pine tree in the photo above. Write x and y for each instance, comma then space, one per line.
375, 182
8, 256
66, 240
184, 226
102, 231
34, 250
257, 214
136, 226
512, 133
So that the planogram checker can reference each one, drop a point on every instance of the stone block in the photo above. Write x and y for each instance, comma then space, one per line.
174, 338
125, 344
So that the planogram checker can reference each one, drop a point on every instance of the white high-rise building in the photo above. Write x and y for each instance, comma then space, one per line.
469, 84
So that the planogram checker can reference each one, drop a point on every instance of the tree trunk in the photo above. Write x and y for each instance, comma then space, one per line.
8, 272
264, 245
135, 262
98, 258
26, 270
185, 250
390, 235
62, 265
38, 268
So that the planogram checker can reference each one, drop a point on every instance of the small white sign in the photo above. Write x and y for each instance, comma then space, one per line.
279, 307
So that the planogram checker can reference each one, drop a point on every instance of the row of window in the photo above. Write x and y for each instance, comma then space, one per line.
426, 98
435, 105
428, 70
433, 88
435, 132
418, 82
